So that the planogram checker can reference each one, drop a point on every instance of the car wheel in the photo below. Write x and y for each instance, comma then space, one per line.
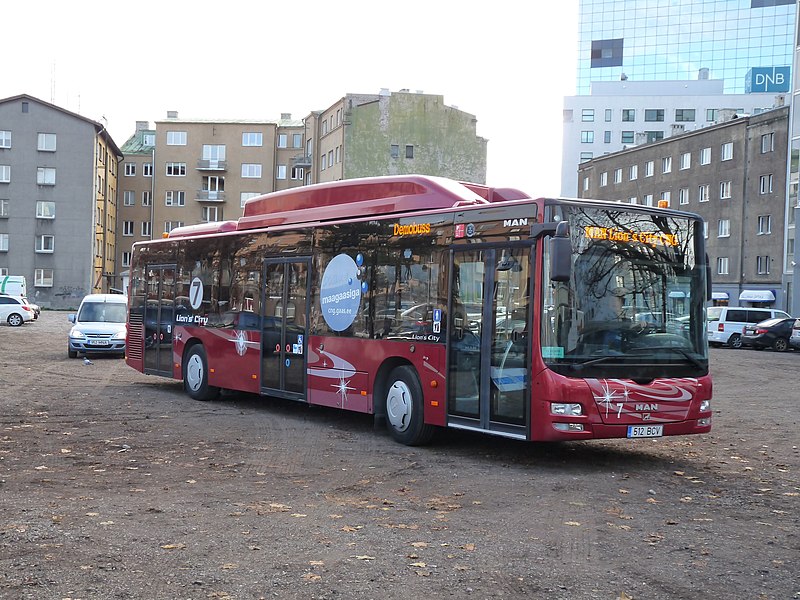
735, 341
15, 320
780, 345
195, 375
72, 353
405, 408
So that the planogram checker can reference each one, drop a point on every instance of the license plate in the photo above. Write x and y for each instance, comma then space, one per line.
98, 343
645, 431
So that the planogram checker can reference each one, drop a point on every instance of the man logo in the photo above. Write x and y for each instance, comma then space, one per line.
515, 222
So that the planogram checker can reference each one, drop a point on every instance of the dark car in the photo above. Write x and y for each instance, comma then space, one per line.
772, 333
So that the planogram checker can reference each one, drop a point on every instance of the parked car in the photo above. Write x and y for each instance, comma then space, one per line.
772, 333
794, 341
15, 310
725, 323
34, 307
99, 325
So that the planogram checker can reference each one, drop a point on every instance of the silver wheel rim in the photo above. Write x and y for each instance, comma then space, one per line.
399, 406
194, 372
14, 320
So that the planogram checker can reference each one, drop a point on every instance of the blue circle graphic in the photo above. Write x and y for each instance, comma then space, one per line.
340, 293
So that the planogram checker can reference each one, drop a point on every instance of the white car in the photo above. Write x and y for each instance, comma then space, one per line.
99, 325
15, 311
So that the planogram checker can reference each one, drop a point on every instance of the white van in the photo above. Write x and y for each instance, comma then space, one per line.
13, 285
725, 323
99, 326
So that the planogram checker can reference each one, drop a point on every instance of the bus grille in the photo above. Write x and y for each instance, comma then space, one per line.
135, 346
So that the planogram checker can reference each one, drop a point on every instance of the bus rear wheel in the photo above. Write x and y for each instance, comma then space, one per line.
405, 408
195, 375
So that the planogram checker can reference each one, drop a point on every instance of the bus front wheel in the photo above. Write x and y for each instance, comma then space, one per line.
195, 375
405, 408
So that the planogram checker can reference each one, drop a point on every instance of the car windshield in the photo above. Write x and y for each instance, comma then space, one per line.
102, 312
634, 305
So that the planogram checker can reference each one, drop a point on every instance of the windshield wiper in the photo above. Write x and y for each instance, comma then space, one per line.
687, 355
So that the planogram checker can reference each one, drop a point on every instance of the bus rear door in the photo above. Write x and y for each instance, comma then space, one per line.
488, 340
158, 319
285, 327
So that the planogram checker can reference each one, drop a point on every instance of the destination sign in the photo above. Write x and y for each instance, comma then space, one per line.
651, 238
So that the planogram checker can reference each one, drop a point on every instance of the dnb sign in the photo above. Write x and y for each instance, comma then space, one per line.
767, 79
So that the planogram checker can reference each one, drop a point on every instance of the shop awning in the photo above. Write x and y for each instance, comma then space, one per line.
757, 296
719, 296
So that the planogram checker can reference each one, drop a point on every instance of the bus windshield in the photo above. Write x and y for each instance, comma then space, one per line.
634, 305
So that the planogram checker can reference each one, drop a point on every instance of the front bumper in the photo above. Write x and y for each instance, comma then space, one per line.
109, 347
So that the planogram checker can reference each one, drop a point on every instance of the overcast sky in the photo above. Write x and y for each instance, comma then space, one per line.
118, 63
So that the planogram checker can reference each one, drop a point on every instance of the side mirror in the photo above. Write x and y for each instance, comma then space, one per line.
561, 253
71, 318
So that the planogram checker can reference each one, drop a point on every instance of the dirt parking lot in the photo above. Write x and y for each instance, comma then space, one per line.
117, 485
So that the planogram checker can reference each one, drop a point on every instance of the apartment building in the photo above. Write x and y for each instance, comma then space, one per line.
733, 174
58, 201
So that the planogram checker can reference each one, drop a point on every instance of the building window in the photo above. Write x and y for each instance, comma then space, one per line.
727, 151
147, 198
280, 172
632, 200
722, 265
252, 138
627, 137
394, 151
127, 228
323, 162
711, 115
628, 115
176, 138
585, 184
705, 156
633, 172
686, 160
3, 271
653, 136
146, 230
684, 115
176, 169
649, 168
606, 137
339, 154
45, 176
666, 164
683, 196
765, 184
4, 208
654, 115
666, 197
604, 179
724, 190
3, 242
149, 139
126, 259
5, 139
43, 278
130, 169
170, 225
705, 229
47, 142
251, 170
283, 140
210, 214
702, 193
767, 143
175, 198
762, 265
245, 196
45, 210
214, 152
297, 140
45, 243
617, 175
409, 152
147, 170
607, 53
587, 115
298, 173
764, 224
128, 198
586, 156
587, 137
648, 199
724, 228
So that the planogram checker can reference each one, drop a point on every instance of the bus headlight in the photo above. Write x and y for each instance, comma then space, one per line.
705, 406
569, 410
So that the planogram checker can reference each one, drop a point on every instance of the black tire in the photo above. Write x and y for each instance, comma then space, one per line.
72, 353
780, 344
195, 375
15, 320
735, 341
404, 407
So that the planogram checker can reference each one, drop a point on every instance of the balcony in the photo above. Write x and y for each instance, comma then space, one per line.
212, 165
301, 160
209, 196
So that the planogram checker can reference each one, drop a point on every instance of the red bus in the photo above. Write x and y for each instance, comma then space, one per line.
432, 303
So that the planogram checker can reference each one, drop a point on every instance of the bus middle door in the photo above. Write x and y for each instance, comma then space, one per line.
285, 327
488, 339
158, 319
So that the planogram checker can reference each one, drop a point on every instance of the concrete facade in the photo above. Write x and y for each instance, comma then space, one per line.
57, 201
733, 175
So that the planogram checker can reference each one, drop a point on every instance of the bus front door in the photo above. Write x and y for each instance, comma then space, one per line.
285, 326
488, 339
158, 319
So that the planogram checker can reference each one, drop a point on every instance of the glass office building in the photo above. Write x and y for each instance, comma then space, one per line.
746, 43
